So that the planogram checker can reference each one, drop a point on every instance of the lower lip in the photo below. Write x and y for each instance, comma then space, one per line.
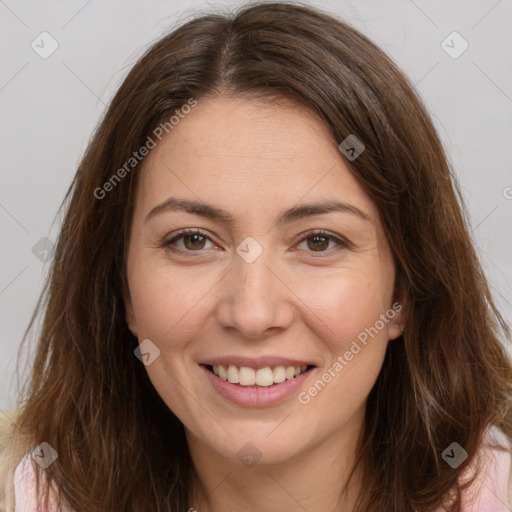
248, 396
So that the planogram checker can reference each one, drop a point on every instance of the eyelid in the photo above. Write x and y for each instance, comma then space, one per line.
341, 241
166, 243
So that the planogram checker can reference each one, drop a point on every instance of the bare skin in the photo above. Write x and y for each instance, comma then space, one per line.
303, 297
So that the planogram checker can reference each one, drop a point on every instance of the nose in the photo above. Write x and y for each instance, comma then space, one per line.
255, 300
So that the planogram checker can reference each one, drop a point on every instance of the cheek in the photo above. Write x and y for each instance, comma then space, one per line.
344, 305
347, 317
168, 301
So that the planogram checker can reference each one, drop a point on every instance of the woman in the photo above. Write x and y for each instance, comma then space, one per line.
264, 295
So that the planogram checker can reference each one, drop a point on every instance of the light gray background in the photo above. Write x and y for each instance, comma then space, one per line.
50, 106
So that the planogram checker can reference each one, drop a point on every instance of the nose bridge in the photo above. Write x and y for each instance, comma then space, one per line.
254, 299
251, 267
256, 279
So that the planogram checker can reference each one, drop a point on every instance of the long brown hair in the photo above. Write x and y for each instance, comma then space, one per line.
445, 380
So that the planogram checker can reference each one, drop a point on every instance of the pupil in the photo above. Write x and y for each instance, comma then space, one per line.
195, 239
319, 242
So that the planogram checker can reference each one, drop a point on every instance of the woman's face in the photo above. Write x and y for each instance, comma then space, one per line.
255, 290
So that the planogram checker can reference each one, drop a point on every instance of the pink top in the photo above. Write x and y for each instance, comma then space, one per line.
487, 494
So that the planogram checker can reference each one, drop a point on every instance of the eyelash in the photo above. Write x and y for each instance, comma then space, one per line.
167, 244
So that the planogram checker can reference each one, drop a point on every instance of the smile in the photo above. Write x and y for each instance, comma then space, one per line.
264, 384
263, 377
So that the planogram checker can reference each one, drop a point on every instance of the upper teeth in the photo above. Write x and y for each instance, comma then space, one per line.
262, 377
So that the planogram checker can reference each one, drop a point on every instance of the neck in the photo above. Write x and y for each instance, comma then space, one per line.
316, 479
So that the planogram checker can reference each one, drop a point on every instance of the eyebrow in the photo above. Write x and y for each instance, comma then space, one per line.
295, 213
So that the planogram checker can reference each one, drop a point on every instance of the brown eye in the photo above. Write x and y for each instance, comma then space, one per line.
318, 242
194, 241
188, 241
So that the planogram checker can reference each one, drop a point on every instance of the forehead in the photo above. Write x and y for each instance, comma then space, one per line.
234, 128
239, 150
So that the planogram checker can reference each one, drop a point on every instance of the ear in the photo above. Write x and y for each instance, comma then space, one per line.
130, 315
399, 309
398, 315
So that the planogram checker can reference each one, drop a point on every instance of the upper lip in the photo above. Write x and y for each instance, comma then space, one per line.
257, 362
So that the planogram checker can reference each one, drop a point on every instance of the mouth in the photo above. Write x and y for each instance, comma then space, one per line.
267, 382
245, 376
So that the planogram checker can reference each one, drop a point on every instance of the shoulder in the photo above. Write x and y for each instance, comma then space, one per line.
492, 489
17, 472
7, 427
26, 495
24, 486
24, 489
